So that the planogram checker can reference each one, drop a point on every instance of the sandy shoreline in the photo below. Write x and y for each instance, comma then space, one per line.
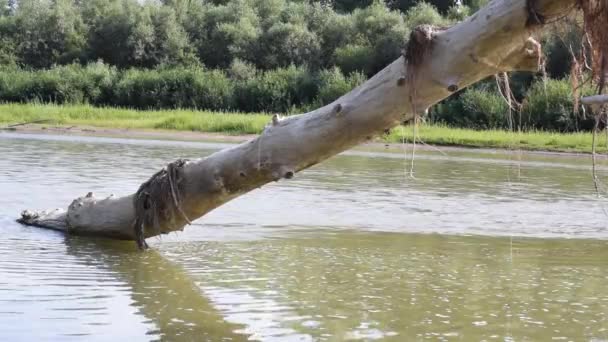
190, 136
156, 134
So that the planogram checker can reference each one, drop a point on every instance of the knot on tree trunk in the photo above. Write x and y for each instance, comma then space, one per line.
157, 204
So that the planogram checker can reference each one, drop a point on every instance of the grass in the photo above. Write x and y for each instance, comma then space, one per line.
240, 123
180, 120
533, 140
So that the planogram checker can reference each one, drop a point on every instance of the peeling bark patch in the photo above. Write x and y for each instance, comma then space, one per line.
420, 43
158, 201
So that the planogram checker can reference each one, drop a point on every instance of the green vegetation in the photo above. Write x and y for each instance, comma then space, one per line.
238, 123
241, 88
547, 105
270, 56
493, 138
181, 120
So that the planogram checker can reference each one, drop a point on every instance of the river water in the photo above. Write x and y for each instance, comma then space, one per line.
477, 246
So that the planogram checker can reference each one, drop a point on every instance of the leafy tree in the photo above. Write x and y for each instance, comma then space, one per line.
384, 31
157, 38
4, 8
48, 32
336, 32
406, 5
424, 13
347, 6
8, 43
209, 35
111, 26
287, 44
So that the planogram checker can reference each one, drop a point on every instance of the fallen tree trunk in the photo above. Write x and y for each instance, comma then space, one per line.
436, 64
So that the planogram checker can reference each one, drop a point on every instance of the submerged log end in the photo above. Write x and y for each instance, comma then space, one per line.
52, 219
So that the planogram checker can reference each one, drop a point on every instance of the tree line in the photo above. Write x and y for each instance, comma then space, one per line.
246, 55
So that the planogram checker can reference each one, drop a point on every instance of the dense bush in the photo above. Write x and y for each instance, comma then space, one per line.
474, 108
277, 90
424, 13
242, 87
546, 106
353, 57
550, 105
333, 84
174, 88
71, 84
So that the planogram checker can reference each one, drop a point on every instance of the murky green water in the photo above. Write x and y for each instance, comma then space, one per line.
479, 246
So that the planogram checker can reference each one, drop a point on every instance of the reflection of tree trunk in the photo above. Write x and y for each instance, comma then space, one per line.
162, 292
437, 64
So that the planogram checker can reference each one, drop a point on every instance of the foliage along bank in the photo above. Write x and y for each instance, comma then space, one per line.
251, 56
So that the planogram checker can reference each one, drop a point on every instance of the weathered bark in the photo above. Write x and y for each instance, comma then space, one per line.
439, 62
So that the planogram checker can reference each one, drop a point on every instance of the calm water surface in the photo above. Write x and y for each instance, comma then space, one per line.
478, 246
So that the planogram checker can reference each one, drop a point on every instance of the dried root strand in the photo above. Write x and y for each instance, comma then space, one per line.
504, 89
158, 201
595, 13
575, 76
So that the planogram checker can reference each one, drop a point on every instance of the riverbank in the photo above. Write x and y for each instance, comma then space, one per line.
194, 125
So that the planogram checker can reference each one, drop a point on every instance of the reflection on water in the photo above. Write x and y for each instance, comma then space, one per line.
96, 290
351, 285
335, 254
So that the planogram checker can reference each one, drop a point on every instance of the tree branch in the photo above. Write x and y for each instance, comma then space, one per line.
495, 39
